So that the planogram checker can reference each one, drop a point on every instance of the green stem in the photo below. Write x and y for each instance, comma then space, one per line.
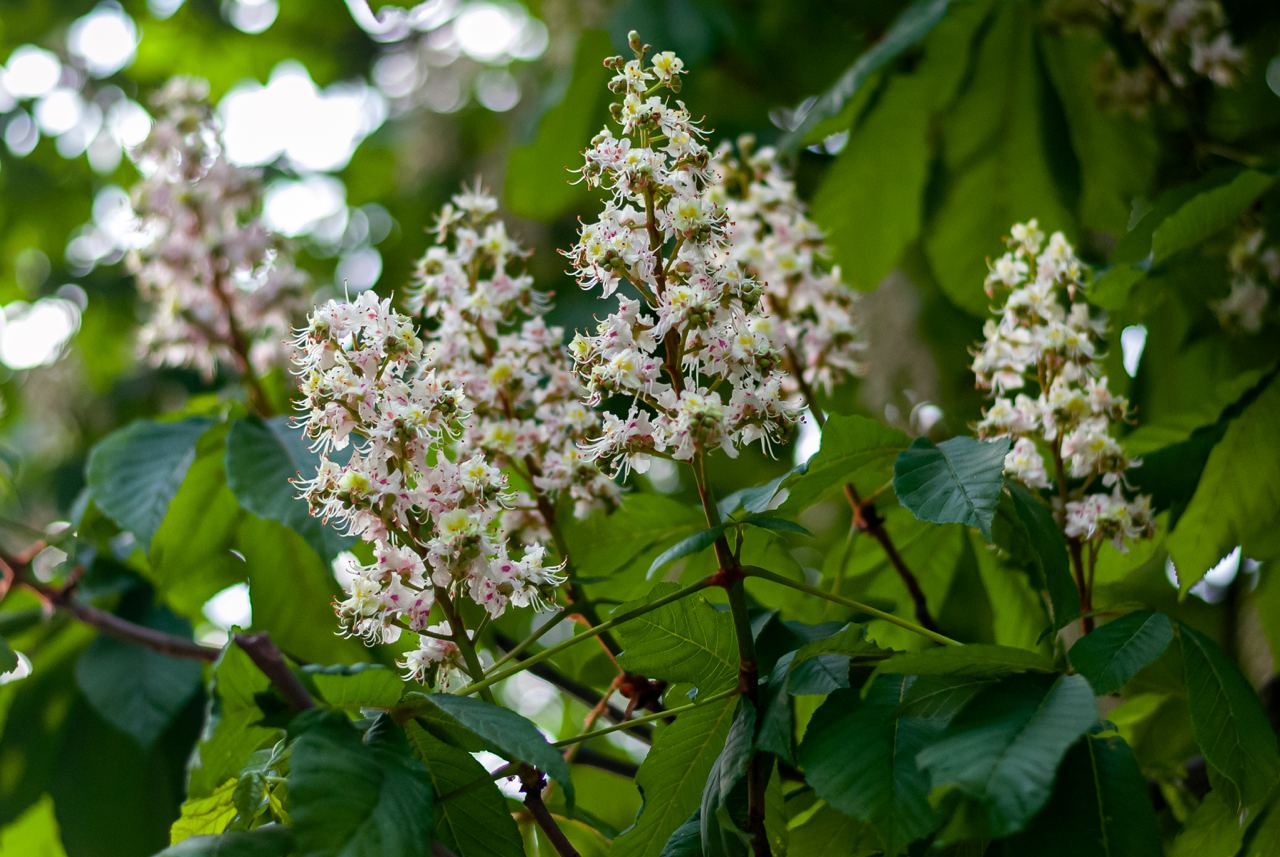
595, 631
464, 643
753, 571
518, 649
648, 718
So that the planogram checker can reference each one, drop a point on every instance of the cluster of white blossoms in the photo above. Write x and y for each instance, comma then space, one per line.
696, 354
432, 517
1187, 38
487, 337
772, 238
1046, 347
221, 288
1255, 274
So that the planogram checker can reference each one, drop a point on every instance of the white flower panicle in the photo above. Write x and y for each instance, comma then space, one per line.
772, 238
434, 521
1254, 265
1038, 359
1186, 38
487, 337
221, 288
697, 355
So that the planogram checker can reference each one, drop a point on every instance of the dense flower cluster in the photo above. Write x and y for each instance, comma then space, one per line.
772, 238
1186, 38
1048, 348
488, 338
433, 520
1255, 274
697, 355
221, 288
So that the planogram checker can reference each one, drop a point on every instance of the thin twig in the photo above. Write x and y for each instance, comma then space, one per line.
531, 783
268, 659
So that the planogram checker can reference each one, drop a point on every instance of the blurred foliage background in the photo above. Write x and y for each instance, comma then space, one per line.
365, 120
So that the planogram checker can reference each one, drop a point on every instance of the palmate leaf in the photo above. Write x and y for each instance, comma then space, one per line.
1116, 652
263, 457
1228, 719
673, 774
860, 756
358, 796
134, 473
1100, 806
956, 481
687, 640
470, 823
1002, 750
505, 732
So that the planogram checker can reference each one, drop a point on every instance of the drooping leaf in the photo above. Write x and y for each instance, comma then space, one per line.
137, 690
270, 840
1228, 719
688, 546
853, 449
1237, 501
672, 776
1042, 542
1100, 805
1002, 750
860, 756
729, 770
824, 117
1116, 652
956, 481
263, 457
1207, 212
976, 660
358, 796
356, 685
470, 823
509, 735
687, 640
134, 473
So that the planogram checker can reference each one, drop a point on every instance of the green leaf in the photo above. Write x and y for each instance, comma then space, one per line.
776, 524
1003, 749
1228, 720
1100, 806
350, 797
1119, 650
1213, 829
833, 834
538, 180
860, 756
976, 660
210, 814
270, 840
137, 690
508, 734
853, 449
1047, 551
687, 640
474, 823
134, 473
730, 768
1237, 501
8, 659
696, 543
957, 481
1207, 213
617, 548
232, 730
757, 498
997, 167
912, 25
263, 457
356, 685
672, 776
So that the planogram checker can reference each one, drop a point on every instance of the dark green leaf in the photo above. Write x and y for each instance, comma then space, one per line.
860, 757
270, 840
833, 834
137, 690
471, 823
263, 459
687, 839
134, 473
507, 734
1048, 553
957, 481
1117, 651
780, 525
729, 769
8, 660
1208, 212
688, 546
1229, 721
976, 660
358, 798
1003, 748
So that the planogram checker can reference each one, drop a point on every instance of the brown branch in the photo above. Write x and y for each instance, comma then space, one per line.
531, 783
868, 520
268, 659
